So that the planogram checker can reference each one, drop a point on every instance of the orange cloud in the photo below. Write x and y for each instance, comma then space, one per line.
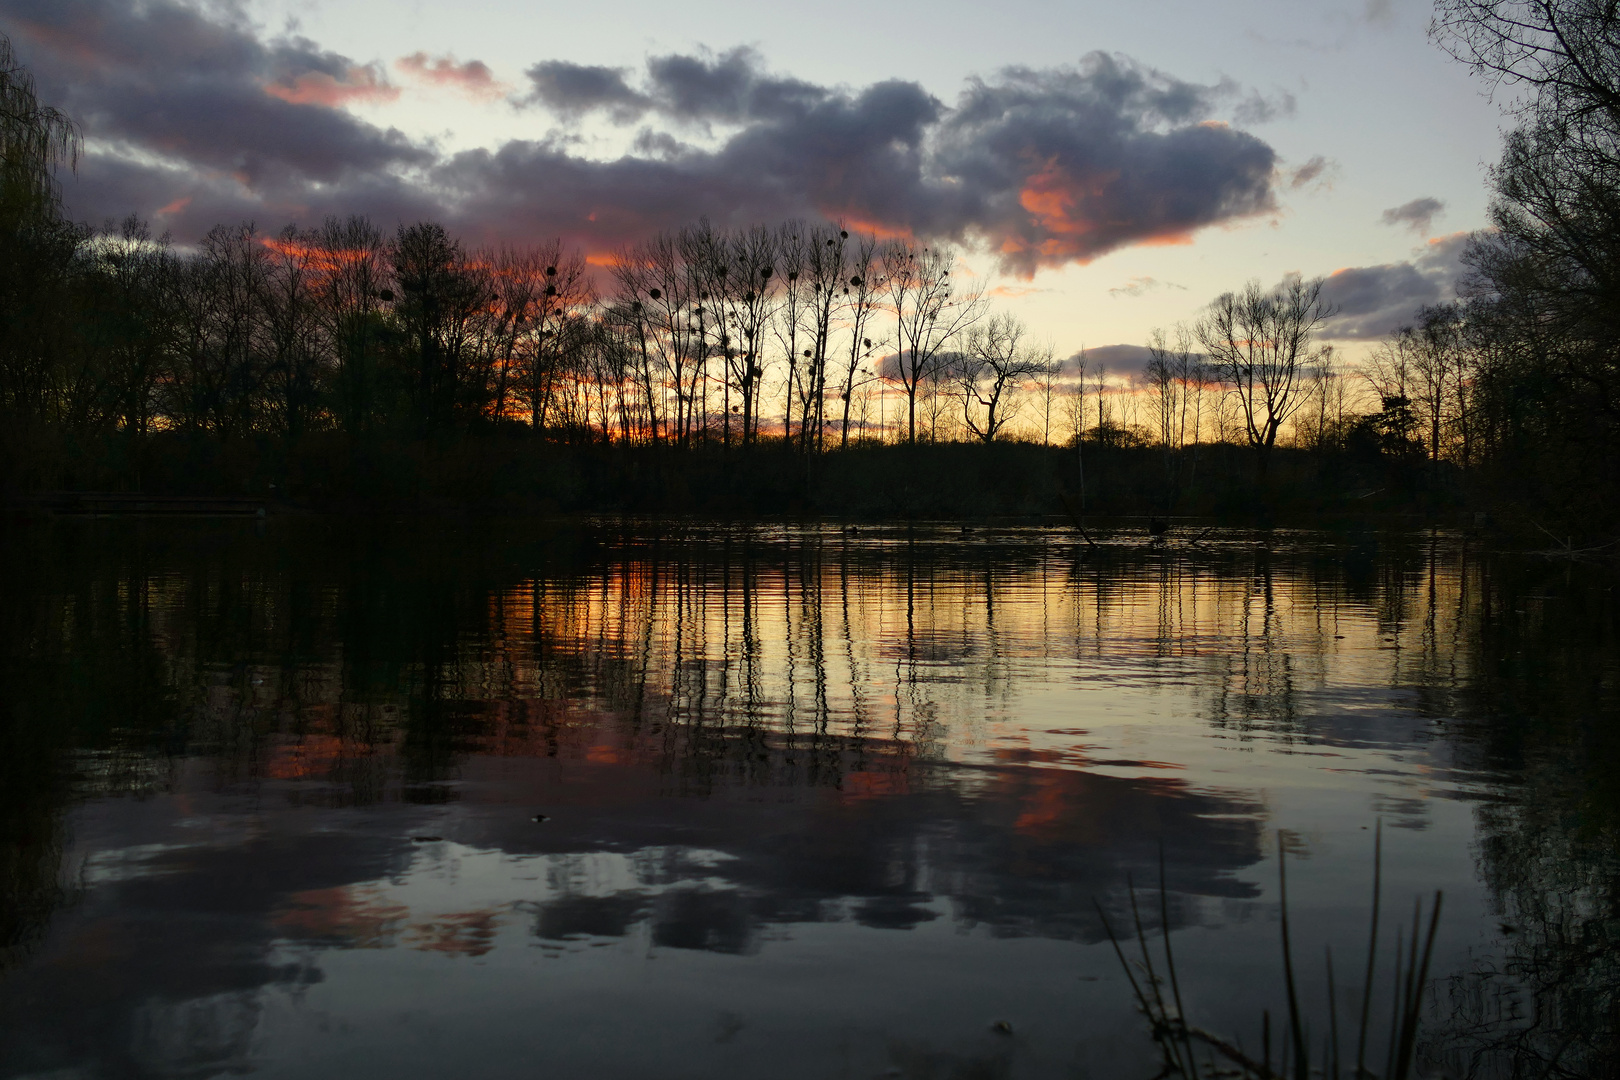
363, 84
175, 207
472, 78
877, 229
323, 260
1065, 208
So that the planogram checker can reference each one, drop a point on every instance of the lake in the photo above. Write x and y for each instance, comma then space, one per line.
328, 798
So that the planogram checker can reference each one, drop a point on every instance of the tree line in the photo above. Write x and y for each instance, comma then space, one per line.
795, 333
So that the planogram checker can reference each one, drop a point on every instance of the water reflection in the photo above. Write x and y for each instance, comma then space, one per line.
247, 774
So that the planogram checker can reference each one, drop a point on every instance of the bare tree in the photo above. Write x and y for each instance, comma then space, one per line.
1099, 386
1047, 386
824, 274
993, 364
296, 344
1166, 376
754, 255
441, 297
792, 246
1259, 341
540, 294
654, 288
1075, 413
220, 359
140, 276
351, 291
929, 316
1318, 425
861, 293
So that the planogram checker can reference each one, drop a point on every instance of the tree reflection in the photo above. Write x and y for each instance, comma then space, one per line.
756, 729
1539, 643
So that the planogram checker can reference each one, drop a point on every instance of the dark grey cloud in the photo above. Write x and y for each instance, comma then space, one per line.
196, 118
572, 90
1064, 165
729, 88
1416, 215
1375, 301
857, 156
189, 107
1121, 360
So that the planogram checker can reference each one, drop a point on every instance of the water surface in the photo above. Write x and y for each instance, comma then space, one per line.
399, 799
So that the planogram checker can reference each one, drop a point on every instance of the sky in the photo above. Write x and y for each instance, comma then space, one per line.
1105, 168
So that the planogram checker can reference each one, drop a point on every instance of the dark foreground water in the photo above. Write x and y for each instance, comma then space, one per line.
405, 800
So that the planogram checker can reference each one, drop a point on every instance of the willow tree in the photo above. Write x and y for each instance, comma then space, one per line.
37, 248
34, 140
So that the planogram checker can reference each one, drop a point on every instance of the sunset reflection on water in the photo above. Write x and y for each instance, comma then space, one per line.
665, 800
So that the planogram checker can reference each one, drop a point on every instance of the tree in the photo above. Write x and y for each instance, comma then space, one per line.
135, 309
861, 292
538, 293
1543, 321
222, 364
39, 252
1075, 412
439, 297
1169, 378
824, 275
293, 327
792, 246
1320, 423
350, 291
994, 363
34, 140
1259, 342
753, 257
929, 316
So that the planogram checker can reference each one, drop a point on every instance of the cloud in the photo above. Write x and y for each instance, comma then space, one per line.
729, 88
572, 90
1256, 108
1318, 170
363, 84
1375, 301
1117, 360
1416, 215
181, 103
1052, 166
472, 78
1042, 167
1138, 286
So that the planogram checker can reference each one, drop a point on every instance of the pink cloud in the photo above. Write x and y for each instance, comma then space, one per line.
363, 84
472, 78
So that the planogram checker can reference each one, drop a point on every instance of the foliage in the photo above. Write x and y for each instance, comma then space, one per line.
1543, 318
